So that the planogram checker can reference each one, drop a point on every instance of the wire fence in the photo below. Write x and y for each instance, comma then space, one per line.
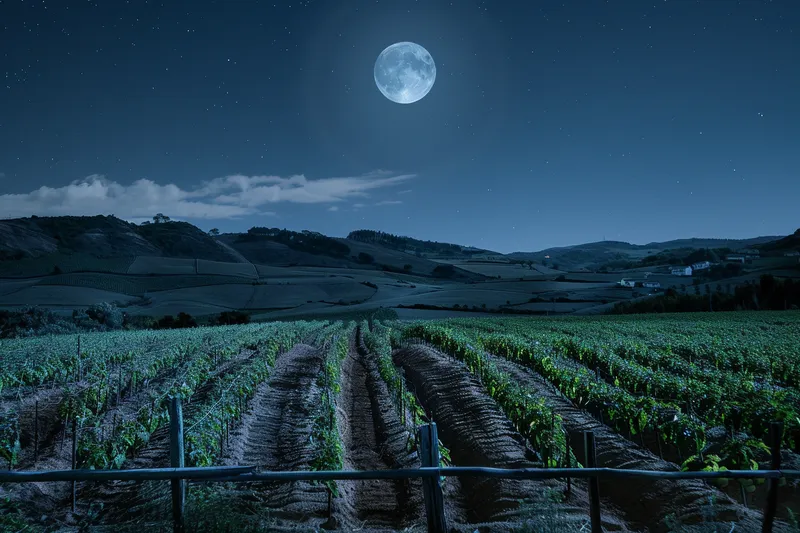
430, 473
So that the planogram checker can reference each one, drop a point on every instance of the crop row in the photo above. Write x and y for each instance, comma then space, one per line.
524, 408
623, 411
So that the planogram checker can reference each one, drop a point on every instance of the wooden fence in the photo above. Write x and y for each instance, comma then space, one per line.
430, 472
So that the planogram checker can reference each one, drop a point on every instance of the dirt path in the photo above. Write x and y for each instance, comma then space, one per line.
646, 503
374, 439
274, 435
477, 433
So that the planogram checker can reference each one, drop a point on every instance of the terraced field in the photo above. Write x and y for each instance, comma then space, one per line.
660, 393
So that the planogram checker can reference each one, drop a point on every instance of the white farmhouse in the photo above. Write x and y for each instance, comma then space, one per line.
682, 271
735, 258
652, 284
795, 253
702, 265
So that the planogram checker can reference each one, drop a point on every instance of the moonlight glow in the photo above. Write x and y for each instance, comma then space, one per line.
405, 72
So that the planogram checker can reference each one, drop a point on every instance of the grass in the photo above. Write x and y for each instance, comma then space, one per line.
139, 285
62, 262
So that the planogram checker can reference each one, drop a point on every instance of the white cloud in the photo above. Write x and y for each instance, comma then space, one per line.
333, 208
358, 206
389, 202
404, 192
228, 197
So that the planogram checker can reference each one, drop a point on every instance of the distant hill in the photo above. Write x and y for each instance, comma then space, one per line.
616, 254
43, 245
105, 236
417, 246
786, 244
109, 237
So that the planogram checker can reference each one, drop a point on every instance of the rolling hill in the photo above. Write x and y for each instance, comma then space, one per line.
156, 269
594, 255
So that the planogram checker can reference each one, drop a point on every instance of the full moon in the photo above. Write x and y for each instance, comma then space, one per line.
405, 72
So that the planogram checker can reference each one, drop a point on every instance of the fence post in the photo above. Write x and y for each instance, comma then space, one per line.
594, 482
431, 486
36, 434
74, 461
176, 461
776, 433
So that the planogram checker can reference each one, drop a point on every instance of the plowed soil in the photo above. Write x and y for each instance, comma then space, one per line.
131, 500
645, 503
274, 435
374, 439
477, 433
55, 450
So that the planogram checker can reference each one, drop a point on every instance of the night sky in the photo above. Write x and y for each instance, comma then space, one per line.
550, 123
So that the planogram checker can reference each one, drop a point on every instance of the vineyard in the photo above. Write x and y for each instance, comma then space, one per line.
671, 392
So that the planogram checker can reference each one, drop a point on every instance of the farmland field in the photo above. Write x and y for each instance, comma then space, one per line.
45, 265
661, 392
139, 285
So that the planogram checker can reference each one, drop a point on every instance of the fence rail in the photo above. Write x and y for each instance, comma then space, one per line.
431, 475
249, 474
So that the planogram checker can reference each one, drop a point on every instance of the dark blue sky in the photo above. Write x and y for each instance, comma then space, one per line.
550, 123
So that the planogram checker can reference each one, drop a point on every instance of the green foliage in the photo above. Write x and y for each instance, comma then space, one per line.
769, 294
528, 412
184, 320
669, 375
229, 318
9, 438
444, 271
230, 394
325, 436
305, 241
403, 244
365, 258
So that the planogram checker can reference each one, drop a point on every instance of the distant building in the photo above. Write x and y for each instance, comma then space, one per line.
682, 271
628, 283
702, 265
651, 285
792, 254
735, 258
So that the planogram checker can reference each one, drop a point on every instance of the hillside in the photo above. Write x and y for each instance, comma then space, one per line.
38, 246
786, 244
615, 254
65, 264
415, 246
105, 236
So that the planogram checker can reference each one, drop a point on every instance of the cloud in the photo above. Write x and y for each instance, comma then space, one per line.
404, 192
389, 202
358, 206
333, 208
228, 197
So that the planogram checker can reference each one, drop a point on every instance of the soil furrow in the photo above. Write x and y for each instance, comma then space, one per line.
646, 503
477, 433
374, 439
123, 500
275, 435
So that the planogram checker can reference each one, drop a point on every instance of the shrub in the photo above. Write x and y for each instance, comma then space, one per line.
227, 318
444, 271
365, 258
